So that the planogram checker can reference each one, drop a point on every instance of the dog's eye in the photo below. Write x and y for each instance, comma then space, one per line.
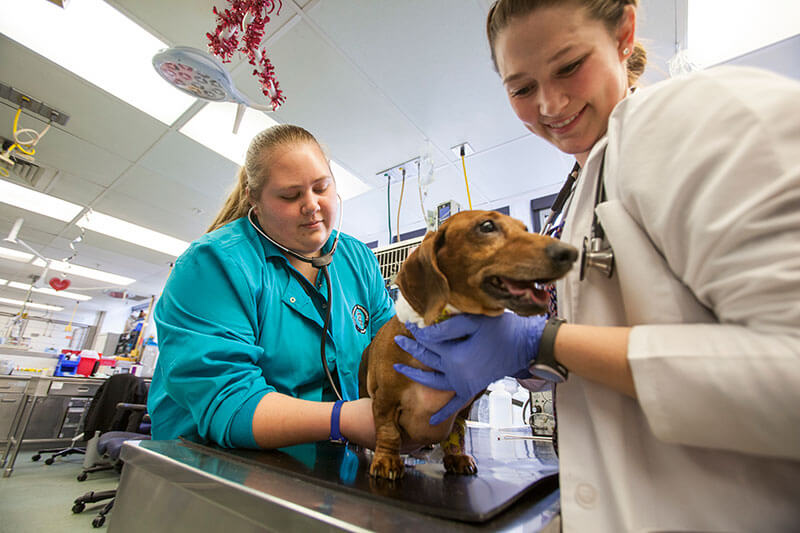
487, 226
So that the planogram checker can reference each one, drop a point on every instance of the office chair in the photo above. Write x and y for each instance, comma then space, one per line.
103, 414
109, 446
61, 452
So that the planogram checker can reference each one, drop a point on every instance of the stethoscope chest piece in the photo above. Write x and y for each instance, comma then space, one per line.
596, 254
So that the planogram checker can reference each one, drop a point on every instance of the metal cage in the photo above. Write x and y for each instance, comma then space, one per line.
391, 257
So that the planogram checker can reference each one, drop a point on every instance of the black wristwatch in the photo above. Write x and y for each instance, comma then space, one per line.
545, 366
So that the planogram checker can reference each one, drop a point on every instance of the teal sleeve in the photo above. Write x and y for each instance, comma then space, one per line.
207, 329
381, 304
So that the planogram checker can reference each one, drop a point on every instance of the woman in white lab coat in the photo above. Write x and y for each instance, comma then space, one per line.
681, 411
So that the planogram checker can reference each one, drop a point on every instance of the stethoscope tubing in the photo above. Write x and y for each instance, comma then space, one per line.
322, 263
596, 252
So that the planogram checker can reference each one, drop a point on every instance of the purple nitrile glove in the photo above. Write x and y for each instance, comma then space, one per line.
468, 352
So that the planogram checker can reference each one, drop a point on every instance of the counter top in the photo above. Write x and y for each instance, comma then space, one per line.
14, 351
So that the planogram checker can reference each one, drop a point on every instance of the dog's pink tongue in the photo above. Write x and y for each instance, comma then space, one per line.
526, 290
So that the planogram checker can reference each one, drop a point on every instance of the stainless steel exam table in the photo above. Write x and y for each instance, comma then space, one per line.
178, 486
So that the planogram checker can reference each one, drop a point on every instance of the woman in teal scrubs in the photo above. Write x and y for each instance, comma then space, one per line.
240, 320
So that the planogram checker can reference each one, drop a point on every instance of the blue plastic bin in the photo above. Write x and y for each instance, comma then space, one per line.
65, 367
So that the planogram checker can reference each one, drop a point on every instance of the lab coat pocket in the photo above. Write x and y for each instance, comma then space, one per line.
651, 292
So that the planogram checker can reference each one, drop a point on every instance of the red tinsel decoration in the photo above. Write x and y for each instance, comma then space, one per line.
226, 38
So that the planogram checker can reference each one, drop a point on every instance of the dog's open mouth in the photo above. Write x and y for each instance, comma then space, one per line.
523, 293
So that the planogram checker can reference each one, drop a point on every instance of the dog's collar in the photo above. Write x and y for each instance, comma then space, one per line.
406, 313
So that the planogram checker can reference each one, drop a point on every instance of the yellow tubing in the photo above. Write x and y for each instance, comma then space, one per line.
464, 166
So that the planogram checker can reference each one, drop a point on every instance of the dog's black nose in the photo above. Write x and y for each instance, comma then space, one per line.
562, 255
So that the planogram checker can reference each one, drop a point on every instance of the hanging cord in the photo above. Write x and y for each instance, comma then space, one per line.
27, 299
72, 244
325, 329
464, 166
400, 203
68, 327
25, 146
389, 204
419, 188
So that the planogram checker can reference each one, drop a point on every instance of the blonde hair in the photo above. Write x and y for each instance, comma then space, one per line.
609, 12
255, 172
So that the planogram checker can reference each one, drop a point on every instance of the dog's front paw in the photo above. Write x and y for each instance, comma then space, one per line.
460, 464
387, 466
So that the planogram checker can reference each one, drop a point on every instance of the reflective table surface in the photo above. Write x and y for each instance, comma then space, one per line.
327, 486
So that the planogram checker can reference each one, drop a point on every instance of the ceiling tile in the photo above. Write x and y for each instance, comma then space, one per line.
190, 164
74, 189
96, 117
171, 197
36, 229
182, 226
186, 22
61, 150
329, 98
452, 94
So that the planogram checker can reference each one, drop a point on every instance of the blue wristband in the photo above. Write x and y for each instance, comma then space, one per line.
336, 435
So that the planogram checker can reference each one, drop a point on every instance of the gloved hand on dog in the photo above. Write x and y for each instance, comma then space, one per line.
468, 352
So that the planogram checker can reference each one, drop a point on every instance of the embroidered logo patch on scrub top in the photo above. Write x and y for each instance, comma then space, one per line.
360, 318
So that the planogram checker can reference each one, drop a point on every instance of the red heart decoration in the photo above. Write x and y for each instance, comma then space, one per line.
59, 284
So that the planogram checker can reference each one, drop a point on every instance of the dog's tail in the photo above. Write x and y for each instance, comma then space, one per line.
362, 374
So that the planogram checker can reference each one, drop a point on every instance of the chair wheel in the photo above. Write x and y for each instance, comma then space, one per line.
82, 476
98, 521
49, 461
36, 457
78, 507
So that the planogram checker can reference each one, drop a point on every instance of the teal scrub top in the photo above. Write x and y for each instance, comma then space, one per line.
237, 321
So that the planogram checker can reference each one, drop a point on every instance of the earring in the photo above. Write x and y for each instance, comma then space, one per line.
626, 51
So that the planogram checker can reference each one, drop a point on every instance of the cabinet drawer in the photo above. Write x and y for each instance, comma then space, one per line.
9, 403
13, 385
65, 388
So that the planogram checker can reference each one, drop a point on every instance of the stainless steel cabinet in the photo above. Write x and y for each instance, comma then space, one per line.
57, 415
11, 393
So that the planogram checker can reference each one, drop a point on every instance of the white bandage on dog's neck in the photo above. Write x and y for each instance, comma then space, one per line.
406, 313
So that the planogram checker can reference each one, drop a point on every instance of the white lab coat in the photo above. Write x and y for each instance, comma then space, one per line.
703, 213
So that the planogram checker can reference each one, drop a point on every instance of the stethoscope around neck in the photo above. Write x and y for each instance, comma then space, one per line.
597, 252
321, 263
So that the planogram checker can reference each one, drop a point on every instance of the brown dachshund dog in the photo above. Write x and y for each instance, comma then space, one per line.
479, 262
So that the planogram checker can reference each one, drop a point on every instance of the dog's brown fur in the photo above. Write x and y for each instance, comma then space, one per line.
451, 266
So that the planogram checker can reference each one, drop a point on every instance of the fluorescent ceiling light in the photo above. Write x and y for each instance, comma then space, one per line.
3, 281
714, 38
85, 272
119, 229
49, 291
347, 184
31, 305
212, 127
50, 206
37, 202
99, 44
15, 255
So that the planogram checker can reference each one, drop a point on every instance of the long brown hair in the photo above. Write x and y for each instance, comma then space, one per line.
255, 172
609, 12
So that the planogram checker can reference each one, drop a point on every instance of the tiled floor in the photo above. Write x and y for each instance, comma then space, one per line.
38, 497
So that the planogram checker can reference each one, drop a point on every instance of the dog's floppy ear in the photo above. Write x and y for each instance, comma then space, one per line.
423, 285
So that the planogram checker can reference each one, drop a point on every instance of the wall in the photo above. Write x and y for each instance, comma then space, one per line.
114, 320
45, 330
367, 226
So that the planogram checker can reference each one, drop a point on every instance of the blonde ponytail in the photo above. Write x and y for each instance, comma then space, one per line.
237, 204
636, 63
